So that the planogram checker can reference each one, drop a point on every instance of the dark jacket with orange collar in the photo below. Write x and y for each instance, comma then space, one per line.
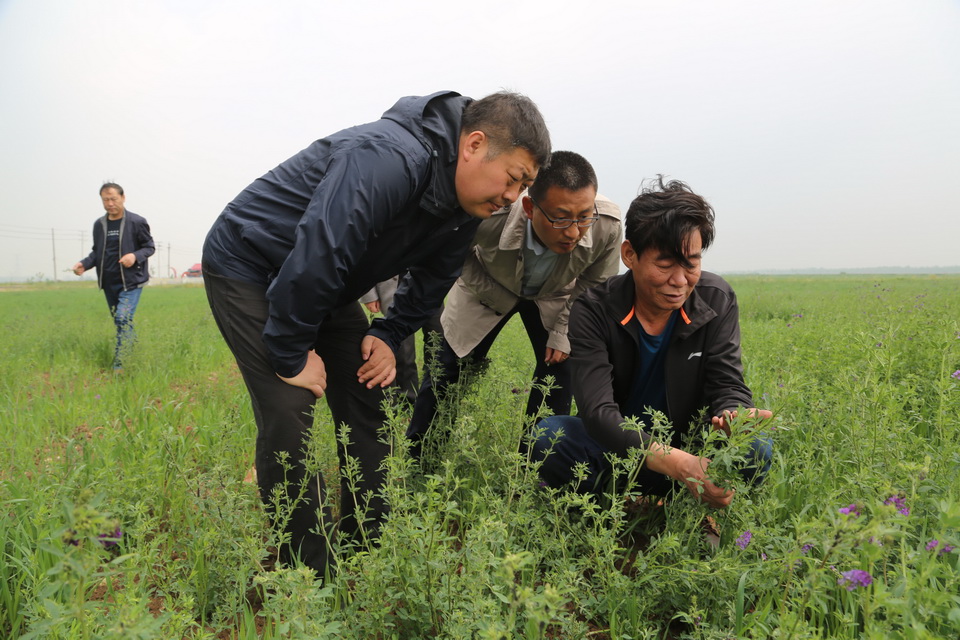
703, 367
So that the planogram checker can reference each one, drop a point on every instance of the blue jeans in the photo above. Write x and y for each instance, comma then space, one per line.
567, 442
123, 304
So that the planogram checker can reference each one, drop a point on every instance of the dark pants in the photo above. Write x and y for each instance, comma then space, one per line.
449, 367
408, 376
284, 415
564, 442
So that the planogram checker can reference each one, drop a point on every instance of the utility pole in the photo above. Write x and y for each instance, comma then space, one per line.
53, 239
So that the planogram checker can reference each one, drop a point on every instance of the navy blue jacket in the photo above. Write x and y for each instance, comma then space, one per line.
349, 211
703, 367
135, 238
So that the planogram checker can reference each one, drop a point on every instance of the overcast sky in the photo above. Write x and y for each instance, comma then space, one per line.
825, 133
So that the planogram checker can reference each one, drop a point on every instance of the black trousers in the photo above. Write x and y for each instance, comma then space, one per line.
449, 367
408, 376
284, 415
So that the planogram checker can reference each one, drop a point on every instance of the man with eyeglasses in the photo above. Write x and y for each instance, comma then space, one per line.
533, 259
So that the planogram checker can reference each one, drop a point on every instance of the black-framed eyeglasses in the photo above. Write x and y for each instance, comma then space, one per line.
563, 223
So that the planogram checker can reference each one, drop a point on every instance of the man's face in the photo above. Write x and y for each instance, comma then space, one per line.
661, 283
112, 203
484, 184
561, 205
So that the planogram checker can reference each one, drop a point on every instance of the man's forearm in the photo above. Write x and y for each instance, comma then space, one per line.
666, 460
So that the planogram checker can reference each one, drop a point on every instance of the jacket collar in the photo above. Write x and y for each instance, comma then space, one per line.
435, 120
514, 228
122, 219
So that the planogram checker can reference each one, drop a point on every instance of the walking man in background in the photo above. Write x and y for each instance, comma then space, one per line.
121, 245
531, 259
288, 259
663, 336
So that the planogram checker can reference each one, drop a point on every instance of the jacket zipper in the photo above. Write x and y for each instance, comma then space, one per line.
103, 252
123, 223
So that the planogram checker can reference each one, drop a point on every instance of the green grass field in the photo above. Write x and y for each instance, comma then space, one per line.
125, 514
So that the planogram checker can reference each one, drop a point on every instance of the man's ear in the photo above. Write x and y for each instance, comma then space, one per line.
473, 144
627, 255
527, 203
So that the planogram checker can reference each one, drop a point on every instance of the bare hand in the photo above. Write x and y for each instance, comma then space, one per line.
373, 306
722, 423
702, 488
380, 366
691, 470
78, 269
128, 260
555, 356
313, 377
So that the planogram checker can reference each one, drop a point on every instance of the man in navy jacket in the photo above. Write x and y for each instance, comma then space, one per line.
664, 336
286, 261
121, 245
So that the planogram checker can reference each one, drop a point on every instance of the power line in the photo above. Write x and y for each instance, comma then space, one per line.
26, 236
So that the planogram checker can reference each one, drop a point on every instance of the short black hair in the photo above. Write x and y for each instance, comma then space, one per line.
663, 215
510, 120
567, 170
111, 185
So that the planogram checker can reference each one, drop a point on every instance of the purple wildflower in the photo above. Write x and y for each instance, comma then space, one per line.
805, 549
763, 556
899, 503
955, 375
851, 510
932, 544
110, 539
744, 539
947, 548
106, 539
855, 578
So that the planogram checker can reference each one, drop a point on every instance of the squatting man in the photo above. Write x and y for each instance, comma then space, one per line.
663, 336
